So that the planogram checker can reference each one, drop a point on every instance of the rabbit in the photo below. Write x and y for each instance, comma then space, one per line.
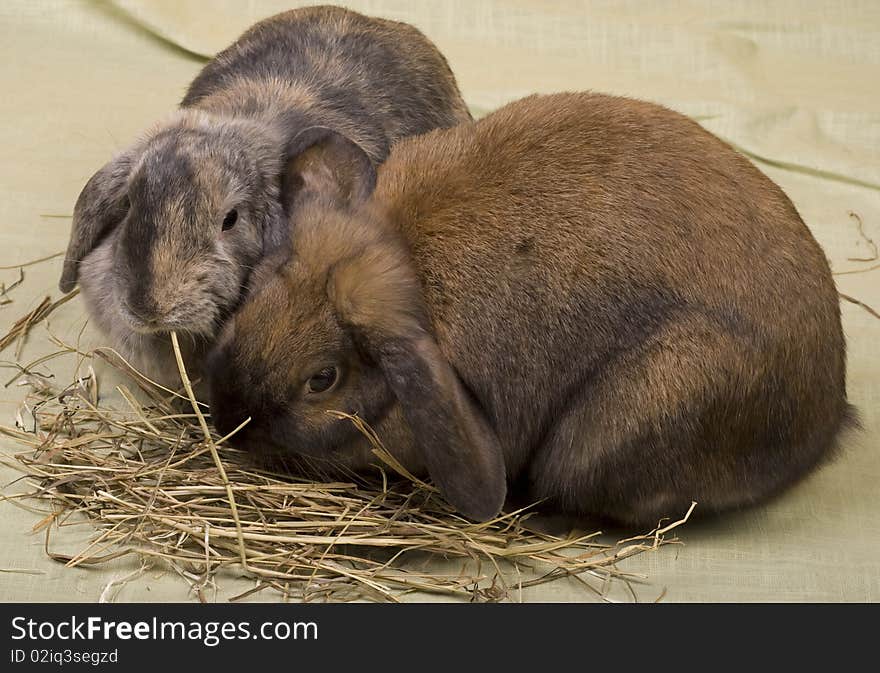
581, 299
165, 235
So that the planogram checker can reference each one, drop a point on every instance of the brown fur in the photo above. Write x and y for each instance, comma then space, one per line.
634, 313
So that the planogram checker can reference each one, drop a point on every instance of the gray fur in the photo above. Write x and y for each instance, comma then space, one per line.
146, 245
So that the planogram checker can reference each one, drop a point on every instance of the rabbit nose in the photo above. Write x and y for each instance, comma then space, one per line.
142, 307
228, 412
229, 405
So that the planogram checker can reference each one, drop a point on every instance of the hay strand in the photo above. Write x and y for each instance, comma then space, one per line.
23, 325
159, 484
857, 302
211, 446
875, 254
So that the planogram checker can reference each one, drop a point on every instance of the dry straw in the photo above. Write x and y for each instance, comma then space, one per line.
154, 480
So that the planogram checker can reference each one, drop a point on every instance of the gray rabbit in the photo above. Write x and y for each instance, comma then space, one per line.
586, 299
165, 235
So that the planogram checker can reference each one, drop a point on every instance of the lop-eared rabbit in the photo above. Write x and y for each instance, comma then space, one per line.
589, 299
166, 234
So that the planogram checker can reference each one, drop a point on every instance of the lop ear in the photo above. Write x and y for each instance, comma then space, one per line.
378, 296
324, 163
461, 451
101, 206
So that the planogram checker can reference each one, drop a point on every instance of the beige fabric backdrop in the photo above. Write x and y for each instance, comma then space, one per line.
794, 84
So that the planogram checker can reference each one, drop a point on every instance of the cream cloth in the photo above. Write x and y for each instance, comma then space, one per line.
794, 84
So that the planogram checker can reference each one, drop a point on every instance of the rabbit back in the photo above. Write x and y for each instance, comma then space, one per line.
371, 79
642, 314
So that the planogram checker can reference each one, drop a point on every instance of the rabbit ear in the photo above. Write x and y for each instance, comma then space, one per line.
325, 163
461, 451
101, 206
378, 297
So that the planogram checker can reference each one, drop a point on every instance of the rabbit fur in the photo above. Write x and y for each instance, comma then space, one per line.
580, 298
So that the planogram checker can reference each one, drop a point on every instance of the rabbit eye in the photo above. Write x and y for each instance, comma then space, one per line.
323, 381
230, 220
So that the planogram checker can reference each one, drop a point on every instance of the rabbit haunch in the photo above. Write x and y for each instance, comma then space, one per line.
579, 298
166, 234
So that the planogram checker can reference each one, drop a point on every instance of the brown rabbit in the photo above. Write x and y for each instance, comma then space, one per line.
590, 298
165, 235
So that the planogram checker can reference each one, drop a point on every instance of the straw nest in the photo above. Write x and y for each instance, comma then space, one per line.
156, 481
